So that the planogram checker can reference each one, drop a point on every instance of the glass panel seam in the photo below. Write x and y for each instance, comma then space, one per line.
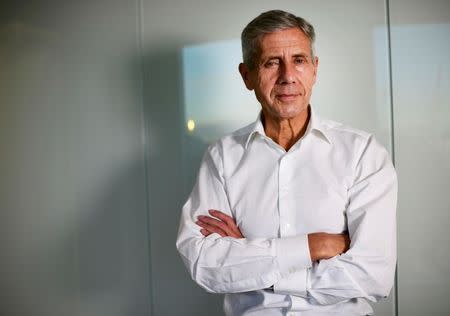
392, 135
144, 142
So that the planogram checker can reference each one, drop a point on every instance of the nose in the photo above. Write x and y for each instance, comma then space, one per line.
287, 74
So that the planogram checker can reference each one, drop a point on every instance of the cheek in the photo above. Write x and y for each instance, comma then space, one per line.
306, 75
266, 85
307, 79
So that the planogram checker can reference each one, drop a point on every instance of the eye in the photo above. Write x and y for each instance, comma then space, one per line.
272, 63
300, 60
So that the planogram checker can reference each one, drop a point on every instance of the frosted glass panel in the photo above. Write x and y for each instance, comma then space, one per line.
421, 81
90, 89
73, 216
194, 95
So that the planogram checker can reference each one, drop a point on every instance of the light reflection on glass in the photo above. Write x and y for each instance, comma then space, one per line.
190, 125
214, 94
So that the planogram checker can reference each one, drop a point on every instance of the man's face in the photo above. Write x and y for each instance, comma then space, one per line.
284, 73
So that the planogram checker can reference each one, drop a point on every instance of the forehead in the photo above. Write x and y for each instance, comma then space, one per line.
288, 39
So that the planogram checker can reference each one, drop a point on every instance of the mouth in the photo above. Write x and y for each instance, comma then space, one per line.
286, 97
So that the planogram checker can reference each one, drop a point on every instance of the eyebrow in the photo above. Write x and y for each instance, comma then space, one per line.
301, 55
269, 57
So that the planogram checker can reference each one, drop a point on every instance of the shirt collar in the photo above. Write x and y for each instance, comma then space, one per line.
314, 124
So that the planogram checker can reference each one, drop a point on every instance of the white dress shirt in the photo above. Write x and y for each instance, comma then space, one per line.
334, 179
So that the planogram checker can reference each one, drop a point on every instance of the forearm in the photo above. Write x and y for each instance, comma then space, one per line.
341, 278
292, 254
321, 246
230, 265
217, 264
325, 246
351, 275
367, 269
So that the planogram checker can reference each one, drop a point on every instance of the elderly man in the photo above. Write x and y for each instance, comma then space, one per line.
293, 214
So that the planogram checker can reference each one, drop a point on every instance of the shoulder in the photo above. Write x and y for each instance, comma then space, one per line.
354, 142
229, 146
344, 133
232, 141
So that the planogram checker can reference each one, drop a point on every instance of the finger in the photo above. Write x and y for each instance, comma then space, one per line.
220, 232
223, 217
211, 229
222, 226
231, 223
216, 223
205, 232
238, 233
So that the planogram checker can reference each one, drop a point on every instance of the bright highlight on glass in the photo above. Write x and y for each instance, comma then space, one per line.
214, 91
190, 125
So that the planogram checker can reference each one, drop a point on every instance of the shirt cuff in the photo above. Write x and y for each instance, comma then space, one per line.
292, 254
294, 284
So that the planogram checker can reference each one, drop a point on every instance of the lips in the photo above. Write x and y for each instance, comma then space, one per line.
287, 96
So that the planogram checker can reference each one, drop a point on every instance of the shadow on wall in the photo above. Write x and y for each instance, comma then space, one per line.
97, 266
112, 247
76, 224
173, 161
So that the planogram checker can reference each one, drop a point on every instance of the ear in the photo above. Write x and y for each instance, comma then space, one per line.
316, 66
245, 74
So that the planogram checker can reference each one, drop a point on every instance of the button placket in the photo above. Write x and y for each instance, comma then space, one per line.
283, 179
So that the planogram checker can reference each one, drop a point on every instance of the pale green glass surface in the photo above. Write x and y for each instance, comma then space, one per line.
97, 160
421, 81
73, 220
191, 70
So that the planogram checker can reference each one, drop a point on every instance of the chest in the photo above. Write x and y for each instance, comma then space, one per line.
278, 195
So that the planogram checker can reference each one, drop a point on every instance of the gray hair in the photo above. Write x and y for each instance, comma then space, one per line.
269, 22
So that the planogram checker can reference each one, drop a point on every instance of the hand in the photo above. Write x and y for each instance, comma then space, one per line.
219, 223
325, 246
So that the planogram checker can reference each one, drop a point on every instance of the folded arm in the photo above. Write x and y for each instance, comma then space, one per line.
231, 264
321, 245
367, 269
221, 260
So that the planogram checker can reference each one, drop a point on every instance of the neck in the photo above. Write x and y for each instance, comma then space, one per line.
286, 132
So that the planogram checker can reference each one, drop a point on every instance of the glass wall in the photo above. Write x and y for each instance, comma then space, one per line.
106, 109
421, 80
73, 214
194, 95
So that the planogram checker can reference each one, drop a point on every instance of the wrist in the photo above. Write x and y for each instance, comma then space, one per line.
316, 246
321, 246
325, 246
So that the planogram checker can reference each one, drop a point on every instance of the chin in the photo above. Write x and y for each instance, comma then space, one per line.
291, 112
